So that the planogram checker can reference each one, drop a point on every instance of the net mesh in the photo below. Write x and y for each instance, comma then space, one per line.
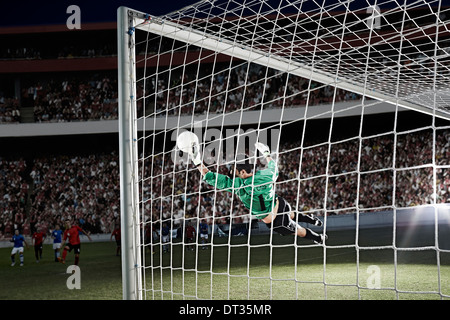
398, 52
328, 86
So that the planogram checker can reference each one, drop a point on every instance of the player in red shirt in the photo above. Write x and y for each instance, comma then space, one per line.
116, 235
190, 236
72, 233
38, 241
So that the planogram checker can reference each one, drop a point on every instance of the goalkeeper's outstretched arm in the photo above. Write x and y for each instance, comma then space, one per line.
264, 150
196, 156
197, 160
203, 169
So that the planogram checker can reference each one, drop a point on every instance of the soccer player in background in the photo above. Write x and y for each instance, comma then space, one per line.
165, 237
38, 241
256, 191
203, 226
72, 234
18, 240
57, 239
117, 236
190, 236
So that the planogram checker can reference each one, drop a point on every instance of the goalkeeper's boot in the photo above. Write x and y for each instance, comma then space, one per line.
309, 218
323, 237
317, 221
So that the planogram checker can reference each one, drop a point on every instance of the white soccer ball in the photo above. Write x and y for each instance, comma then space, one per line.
186, 140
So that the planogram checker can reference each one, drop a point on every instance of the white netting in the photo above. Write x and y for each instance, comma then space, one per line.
398, 56
327, 85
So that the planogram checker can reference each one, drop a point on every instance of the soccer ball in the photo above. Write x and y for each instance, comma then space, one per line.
186, 140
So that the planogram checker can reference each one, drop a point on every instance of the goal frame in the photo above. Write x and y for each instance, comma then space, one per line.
128, 21
129, 187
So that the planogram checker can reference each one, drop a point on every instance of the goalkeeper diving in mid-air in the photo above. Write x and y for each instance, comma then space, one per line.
256, 191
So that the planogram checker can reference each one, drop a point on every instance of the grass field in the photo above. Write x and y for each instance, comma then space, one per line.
46, 280
283, 271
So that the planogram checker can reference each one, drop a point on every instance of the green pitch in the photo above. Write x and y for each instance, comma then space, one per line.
283, 271
100, 275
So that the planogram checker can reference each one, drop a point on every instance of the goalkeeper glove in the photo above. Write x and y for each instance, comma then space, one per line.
195, 155
263, 149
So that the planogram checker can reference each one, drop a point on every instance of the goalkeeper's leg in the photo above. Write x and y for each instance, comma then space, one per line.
300, 217
284, 224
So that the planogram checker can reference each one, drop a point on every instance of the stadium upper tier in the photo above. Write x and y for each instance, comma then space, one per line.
68, 81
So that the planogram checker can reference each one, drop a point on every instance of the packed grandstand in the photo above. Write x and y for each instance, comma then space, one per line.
45, 189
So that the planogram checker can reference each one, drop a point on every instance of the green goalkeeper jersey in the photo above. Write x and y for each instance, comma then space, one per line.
256, 192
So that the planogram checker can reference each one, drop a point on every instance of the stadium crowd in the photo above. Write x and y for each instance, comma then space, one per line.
77, 99
244, 86
81, 187
86, 187
59, 187
9, 110
94, 96
13, 195
51, 189
172, 190
65, 51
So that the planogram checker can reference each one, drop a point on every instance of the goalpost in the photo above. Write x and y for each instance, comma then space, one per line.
307, 78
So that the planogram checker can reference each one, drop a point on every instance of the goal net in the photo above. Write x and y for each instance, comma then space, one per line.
353, 100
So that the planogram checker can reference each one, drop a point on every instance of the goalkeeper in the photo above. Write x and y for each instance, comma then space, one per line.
256, 191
